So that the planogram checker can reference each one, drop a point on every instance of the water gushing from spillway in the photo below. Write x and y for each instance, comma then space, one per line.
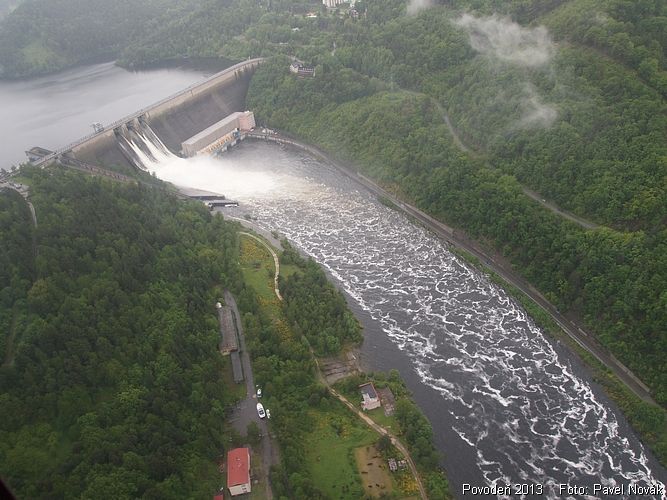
146, 146
514, 408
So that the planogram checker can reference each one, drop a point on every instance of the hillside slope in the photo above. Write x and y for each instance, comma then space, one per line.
112, 380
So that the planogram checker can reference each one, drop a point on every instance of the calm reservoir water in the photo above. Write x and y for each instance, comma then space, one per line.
507, 405
54, 110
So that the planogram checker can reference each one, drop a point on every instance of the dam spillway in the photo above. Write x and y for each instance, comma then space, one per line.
173, 119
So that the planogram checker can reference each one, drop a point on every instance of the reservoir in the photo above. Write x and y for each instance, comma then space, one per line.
508, 406
54, 110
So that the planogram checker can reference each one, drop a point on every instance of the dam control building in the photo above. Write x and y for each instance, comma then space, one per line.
219, 134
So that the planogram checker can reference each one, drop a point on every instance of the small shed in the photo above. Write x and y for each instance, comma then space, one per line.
370, 396
388, 401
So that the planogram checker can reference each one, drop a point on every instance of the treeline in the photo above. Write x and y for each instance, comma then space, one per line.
43, 36
316, 309
115, 382
614, 280
17, 268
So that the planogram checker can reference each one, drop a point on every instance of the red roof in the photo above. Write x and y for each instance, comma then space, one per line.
238, 467
219, 497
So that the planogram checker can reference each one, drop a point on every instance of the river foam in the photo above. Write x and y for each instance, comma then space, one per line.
517, 403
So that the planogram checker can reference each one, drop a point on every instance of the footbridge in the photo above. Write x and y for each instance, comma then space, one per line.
174, 118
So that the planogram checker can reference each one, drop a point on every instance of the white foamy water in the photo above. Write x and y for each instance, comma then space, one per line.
519, 408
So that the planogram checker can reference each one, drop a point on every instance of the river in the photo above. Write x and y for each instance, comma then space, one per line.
508, 406
54, 110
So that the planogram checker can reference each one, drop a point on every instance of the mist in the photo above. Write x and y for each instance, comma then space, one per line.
506, 41
414, 6
536, 114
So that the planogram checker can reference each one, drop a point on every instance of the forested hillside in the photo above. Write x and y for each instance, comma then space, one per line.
43, 36
111, 378
564, 117
459, 108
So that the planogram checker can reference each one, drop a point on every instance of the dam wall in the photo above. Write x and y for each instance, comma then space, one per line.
174, 119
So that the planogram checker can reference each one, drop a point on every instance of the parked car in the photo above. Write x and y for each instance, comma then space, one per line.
268, 413
260, 410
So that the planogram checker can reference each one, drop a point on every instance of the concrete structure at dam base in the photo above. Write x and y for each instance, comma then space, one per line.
220, 135
174, 120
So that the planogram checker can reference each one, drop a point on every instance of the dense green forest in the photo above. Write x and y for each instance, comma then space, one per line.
603, 155
43, 36
584, 127
315, 308
110, 378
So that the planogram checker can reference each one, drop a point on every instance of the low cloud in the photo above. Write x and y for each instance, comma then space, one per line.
509, 44
536, 114
504, 40
415, 6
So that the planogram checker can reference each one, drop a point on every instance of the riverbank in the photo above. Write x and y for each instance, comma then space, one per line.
458, 239
319, 454
631, 402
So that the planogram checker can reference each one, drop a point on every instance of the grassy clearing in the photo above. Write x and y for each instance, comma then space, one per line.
375, 475
258, 271
330, 451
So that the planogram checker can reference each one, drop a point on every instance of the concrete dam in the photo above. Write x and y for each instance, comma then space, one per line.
173, 119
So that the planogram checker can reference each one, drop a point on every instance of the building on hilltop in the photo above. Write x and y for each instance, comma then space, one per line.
238, 471
370, 396
331, 4
301, 69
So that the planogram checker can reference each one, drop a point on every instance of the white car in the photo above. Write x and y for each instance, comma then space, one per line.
259, 392
268, 413
260, 410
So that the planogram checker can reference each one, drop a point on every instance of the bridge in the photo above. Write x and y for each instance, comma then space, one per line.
175, 118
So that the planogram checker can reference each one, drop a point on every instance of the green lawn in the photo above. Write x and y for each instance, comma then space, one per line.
258, 268
330, 451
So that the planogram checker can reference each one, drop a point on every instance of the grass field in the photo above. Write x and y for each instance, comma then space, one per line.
258, 270
330, 451
375, 476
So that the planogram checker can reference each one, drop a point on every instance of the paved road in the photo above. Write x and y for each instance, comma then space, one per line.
528, 192
573, 330
246, 411
558, 211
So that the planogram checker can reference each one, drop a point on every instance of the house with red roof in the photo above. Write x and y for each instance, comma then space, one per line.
238, 471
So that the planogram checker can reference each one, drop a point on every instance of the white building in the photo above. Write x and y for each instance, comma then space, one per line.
370, 397
330, 4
